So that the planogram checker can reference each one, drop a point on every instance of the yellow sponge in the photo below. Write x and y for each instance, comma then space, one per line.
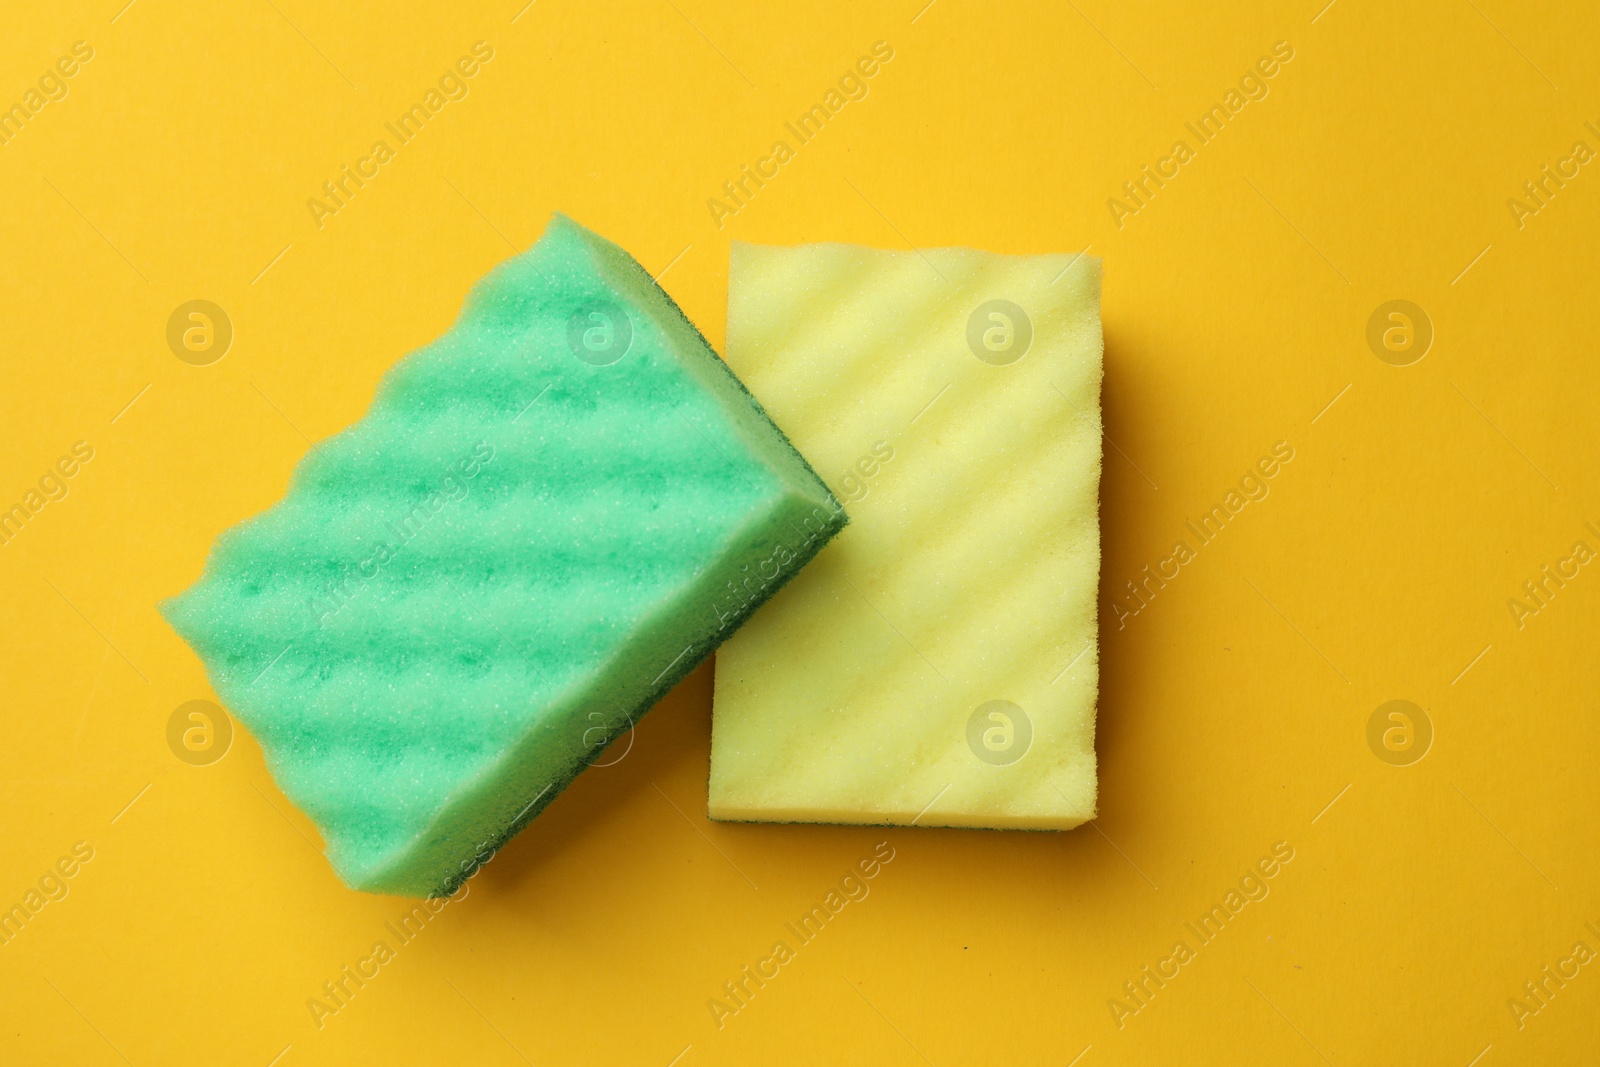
937, 664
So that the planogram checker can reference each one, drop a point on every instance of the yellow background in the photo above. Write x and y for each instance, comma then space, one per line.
1234, 708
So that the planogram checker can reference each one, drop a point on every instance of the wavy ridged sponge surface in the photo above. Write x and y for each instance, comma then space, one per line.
548, 517
938, 663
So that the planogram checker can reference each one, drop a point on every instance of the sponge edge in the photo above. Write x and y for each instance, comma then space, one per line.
938, 664
528, 539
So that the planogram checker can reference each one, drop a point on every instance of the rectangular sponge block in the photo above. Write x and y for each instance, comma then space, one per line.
937, 665
548, 517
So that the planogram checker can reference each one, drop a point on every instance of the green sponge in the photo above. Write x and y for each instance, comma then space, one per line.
548, 517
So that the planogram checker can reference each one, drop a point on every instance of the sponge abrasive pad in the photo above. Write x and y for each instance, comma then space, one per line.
548, 517
938, 663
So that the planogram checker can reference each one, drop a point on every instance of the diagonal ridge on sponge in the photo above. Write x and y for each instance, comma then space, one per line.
548, 517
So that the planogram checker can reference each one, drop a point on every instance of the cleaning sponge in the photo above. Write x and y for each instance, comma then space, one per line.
548, 517
937, 664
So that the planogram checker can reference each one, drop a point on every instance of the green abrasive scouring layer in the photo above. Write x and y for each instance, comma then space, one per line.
547, 518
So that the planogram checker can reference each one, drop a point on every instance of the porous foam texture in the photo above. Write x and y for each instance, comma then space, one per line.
548, 517
938, 664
